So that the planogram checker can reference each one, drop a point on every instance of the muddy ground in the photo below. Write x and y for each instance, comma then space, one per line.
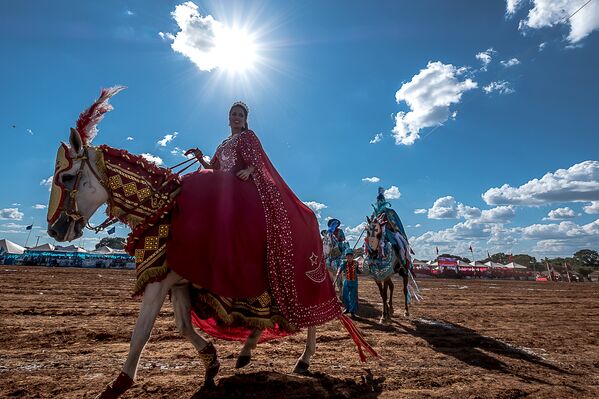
64, 333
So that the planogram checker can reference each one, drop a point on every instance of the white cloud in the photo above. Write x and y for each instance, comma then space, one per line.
418, 225
562, 231
592, 208
152, 158
207, 42
30, 131
47, 182
560, 213
377, 138
129, 12
444, 208
15, 204
499, 214
512, 6
357, 230
510, 63
373, 179
315, 206
39, 206
578, 183
392, 193
429, 96
485, 57
420, 211
542, 46
11, 214
167, 139
501, 86
549, 13
13, 225
129, 138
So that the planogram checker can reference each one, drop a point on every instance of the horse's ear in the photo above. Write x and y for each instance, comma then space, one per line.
368, 219
75, 140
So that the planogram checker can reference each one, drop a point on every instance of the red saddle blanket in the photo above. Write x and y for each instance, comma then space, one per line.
218, 235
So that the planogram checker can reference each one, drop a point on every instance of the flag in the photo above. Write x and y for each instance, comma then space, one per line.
29, 227
488, 256
471, 251
437, 248
511, 258
111, 230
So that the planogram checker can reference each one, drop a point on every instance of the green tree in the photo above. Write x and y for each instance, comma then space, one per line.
112, 242
587, 257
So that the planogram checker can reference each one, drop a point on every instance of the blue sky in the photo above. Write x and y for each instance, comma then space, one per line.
485, 112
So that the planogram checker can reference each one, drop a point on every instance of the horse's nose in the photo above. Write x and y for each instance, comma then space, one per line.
52, 232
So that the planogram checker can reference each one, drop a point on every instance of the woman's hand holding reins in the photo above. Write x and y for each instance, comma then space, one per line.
196, 153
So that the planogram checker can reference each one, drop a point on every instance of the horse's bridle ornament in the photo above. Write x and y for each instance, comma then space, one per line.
63, 198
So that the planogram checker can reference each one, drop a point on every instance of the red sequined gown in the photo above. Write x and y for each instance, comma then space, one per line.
251, 241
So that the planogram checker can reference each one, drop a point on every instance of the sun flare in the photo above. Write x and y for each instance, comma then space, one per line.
235, 49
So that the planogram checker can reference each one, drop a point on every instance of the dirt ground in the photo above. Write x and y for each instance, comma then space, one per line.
64, 333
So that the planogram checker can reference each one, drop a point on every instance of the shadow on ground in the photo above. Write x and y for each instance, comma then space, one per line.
470, 347
276, 385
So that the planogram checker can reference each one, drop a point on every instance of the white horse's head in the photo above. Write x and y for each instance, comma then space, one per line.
77, 189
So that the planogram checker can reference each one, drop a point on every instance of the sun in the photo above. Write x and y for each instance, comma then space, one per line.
235, 49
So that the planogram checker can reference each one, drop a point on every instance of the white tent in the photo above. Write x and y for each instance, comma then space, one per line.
70, 248
494, 264
514, 265
43, 248
103, 250
477, 263
416, 262
461, 263
10, 247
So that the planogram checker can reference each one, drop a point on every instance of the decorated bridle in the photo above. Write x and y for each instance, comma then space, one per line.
64, 199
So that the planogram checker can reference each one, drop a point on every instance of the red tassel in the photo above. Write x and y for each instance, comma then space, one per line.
358, 338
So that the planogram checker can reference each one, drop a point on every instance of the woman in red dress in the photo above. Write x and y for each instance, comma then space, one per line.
257, 254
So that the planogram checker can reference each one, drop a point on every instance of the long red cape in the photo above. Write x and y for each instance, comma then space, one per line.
237, 238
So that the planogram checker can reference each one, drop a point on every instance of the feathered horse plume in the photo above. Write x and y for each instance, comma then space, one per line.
89, 119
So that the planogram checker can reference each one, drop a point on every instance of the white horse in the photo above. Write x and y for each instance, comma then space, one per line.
78, 191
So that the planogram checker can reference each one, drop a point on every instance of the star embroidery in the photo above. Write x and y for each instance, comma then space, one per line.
313, 259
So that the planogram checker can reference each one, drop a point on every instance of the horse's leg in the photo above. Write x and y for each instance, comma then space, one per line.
384, 298
181, 300
303, 363
153, 298
405, 294
245, 356
391, 286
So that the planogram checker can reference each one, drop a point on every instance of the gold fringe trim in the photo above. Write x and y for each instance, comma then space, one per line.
149, 275
236, 318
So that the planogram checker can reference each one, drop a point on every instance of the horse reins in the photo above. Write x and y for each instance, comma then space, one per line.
72, 210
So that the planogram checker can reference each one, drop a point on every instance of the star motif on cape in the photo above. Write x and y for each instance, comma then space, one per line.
314, 259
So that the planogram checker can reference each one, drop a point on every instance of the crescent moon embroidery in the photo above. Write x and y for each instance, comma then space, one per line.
317, 274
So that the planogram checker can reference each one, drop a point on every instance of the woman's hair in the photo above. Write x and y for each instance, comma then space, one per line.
245, 109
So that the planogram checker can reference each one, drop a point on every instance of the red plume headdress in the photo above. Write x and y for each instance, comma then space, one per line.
89, 119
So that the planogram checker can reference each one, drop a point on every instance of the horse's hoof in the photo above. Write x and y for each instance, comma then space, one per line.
301, 367
243, 361
406, 313
117, 387
211, 372
391, 311
384, 320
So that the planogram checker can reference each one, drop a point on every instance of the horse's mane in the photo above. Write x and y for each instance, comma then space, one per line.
137, 162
